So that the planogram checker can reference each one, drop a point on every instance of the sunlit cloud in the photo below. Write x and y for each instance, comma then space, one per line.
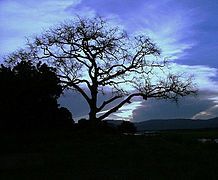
212, 112
125, 113
203, 75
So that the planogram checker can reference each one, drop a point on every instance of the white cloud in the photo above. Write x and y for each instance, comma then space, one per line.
25, 18
125, 113
203, 75
171, 27
212, 112
169, 23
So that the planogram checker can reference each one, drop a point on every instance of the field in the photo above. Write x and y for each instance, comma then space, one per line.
69, 155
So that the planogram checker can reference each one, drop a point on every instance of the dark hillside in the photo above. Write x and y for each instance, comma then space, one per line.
176, 124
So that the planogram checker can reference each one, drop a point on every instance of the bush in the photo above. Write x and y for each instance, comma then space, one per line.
85, 125
127, 127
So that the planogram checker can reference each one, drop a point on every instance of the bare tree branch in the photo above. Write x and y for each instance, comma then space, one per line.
90, 54
105, 103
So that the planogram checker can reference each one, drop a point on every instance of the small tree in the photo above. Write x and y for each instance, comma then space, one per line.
92, 56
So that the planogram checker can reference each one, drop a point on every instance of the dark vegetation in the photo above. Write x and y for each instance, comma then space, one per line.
127, 127
28, 98
28, 102
69, 155
38, 142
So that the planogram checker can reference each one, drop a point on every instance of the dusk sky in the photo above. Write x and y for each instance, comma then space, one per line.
185, 30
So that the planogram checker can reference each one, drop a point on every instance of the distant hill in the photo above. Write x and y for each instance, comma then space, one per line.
171, 124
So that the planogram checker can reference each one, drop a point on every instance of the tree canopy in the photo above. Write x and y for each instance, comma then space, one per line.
93, 57
28, 97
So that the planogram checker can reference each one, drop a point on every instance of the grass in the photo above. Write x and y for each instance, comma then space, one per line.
68, 155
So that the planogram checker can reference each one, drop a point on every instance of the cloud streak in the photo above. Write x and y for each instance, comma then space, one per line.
20, 19
164, 21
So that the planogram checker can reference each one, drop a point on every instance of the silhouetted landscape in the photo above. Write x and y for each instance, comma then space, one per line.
41, 140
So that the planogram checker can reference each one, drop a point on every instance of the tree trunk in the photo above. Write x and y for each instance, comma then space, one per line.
93, 106
92, 115
94, 94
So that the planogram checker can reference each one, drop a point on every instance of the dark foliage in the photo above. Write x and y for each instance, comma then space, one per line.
28, 98
127, 127
93, 127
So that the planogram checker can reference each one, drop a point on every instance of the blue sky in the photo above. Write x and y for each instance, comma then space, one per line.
185, 30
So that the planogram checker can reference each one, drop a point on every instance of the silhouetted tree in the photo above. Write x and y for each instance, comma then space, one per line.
127, 127
92, 56
28, 97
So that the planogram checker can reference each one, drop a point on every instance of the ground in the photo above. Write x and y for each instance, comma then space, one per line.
69, 155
